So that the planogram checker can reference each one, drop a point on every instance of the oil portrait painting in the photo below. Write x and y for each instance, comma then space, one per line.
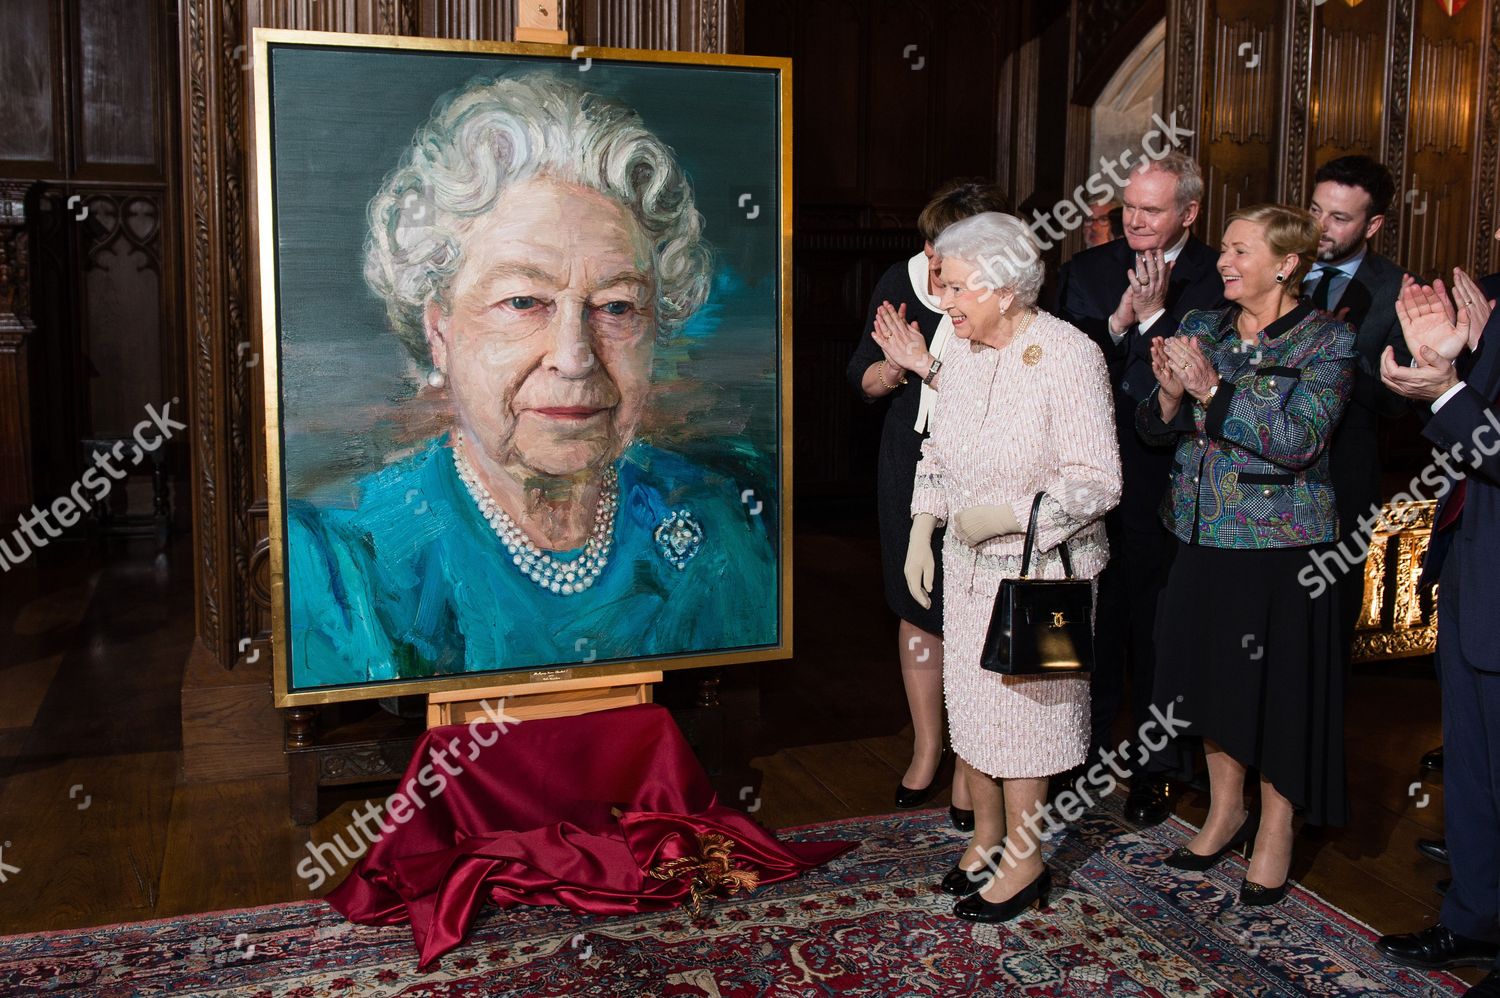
527, 332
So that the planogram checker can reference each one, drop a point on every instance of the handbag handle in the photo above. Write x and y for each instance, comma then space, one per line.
1036, 506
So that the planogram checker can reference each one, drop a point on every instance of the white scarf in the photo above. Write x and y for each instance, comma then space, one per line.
916, 270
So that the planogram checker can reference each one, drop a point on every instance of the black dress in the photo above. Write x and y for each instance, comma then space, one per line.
900, 447
1255, 663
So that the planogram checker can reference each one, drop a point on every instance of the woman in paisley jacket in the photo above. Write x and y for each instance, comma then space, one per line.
1248, 658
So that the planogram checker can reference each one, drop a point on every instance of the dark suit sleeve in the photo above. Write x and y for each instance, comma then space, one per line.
1469, 425
867, 351
1075, 306
1369, 391
1153, 429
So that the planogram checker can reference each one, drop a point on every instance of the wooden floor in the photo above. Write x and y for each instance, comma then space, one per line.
96, 816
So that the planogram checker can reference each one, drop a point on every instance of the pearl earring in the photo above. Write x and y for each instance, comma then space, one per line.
437, 379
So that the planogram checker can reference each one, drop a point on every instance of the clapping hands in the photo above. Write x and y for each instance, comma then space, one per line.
1180, 365
901, 341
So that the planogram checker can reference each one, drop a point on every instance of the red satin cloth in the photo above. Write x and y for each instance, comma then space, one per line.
529, 821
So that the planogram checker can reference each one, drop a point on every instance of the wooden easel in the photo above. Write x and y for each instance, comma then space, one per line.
528, 701
541, 21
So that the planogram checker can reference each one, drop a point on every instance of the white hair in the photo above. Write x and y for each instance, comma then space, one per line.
497, 132
1002, 251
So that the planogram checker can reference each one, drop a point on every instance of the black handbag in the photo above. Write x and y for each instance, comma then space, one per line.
1041, 627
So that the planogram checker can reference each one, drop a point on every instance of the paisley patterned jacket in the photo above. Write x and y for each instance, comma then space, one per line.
1251, 468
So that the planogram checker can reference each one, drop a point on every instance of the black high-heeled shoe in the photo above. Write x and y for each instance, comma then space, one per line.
975, 908
959, 883
907, 798
1254, 895
1185, 859
962, 820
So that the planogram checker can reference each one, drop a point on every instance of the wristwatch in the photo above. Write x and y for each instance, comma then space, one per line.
932, 371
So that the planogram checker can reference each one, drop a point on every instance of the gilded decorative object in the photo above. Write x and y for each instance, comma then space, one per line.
1032, 355
711, 869
1395, 621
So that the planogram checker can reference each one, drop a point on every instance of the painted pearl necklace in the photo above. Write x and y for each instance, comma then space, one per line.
565, 578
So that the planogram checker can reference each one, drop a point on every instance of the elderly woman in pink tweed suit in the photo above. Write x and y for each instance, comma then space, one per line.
1022, 407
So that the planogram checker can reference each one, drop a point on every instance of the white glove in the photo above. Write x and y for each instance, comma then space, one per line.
920, 565
977, 524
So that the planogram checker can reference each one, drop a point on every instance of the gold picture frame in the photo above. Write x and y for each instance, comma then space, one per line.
276, 249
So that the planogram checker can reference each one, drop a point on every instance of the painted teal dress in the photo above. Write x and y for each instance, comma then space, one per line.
414, 583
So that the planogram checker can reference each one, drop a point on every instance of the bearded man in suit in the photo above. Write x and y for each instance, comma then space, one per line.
1350, 197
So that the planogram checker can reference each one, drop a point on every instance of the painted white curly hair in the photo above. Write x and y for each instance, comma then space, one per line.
496, 132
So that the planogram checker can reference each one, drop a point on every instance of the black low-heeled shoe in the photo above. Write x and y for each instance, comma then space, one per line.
907, 798
1185, 859
975, 908
962, 820
1254, 895
959, 883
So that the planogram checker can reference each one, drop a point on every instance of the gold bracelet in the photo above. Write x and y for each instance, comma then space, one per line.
888, 386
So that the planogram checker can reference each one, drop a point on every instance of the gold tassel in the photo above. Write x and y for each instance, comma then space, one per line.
711, 869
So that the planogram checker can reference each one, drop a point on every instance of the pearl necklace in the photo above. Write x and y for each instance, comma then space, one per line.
565, 578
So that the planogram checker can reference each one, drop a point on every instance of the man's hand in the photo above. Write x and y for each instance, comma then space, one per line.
1474, 308
977, 524
1426, 382
1149, 281
920, 567
1429, 323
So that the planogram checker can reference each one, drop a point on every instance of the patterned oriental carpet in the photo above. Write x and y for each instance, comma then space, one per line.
870, 923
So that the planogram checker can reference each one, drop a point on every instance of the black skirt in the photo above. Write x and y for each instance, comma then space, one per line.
900, 449
1254, 662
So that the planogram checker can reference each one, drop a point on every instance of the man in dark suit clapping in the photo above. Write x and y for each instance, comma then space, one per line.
1457, 375
1122, 294
1350, 197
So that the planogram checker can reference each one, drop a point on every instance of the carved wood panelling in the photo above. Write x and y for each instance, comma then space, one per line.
1394, 79
1242, 105
1486, 258
1185, 54
466, 19
1294, 116
1347, 110
1442, 104
1398, 90
1097, 25
15, 328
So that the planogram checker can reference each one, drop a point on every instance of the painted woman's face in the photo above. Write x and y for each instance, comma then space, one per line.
549, 338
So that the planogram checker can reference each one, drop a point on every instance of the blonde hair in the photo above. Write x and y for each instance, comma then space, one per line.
1288, 230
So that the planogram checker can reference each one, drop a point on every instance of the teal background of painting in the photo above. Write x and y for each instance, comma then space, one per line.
342, 120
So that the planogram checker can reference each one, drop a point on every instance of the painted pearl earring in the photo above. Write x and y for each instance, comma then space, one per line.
437, 379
